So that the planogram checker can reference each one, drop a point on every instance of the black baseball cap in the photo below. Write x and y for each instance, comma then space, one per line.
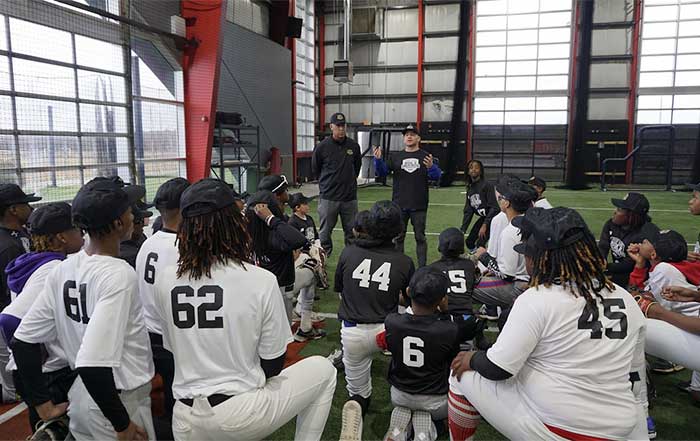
273, 183
11, 194
338, 119
518, 193
141, 210
428, 286
527, 248
169, 193
101, 201
451, 242
206, 196
634, 202
539, 182
551, 229
297, 199
410, 128
670, 246
51, 218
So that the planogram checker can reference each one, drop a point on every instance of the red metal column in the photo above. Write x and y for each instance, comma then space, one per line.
321, 29
421, 49
470, 85
634, 74
201, 81
291, 45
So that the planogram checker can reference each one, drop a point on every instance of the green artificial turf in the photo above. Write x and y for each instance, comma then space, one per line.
672, 410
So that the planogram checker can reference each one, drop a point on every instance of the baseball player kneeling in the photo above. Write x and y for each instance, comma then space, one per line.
224, 321
370, 275
90, 304
569, 362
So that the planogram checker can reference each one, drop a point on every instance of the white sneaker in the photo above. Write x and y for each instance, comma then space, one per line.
315, 318
351, 429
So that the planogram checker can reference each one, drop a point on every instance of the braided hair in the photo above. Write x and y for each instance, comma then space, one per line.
577, 265
259, 231
211, 238
482, 175
43, 242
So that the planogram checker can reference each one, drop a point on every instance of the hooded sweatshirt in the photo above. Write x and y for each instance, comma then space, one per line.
481, 200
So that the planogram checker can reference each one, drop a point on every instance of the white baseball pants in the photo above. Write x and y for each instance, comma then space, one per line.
666, 341
87, 422
304, 390
359, 346
520, 422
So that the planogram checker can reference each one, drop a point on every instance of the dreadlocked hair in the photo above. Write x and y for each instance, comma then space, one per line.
42, 243
636, 220
211, 238
482, 175
578, 265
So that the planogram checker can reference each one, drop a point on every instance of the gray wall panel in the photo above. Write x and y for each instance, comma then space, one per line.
610, 74
441, 49
260, 68
607, 108
611, 42
439, 80
401, 23
442, 18
606, 11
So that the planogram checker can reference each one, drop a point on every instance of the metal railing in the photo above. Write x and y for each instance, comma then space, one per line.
640, 138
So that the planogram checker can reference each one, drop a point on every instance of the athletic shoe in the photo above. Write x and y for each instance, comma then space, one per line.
423, 427
489, 312
314, 334
386, 352
315, 318
336, 358
399, 425
651, 428
665, 367
351, 428
684, 386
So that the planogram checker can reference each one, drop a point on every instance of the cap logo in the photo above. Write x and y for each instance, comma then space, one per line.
339, 117
349, 152
664, 231
626, 196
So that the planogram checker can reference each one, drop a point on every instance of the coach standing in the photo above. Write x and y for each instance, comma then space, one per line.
412, 169
336, 161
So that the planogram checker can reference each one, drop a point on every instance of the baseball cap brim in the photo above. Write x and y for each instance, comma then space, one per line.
134, 193
26, 200
404, 131
620, 203
525, 249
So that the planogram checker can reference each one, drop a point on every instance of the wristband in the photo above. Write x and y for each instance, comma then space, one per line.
269, 219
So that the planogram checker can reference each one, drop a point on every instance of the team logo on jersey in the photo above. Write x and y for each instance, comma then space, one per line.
26, 243
618, 248
475, 201
310, 234
409, 165
349, 152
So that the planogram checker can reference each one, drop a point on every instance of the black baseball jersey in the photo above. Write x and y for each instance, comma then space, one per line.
370, 281
614, 240
422, 348
462, 274
307, 226
410, 189
481, 200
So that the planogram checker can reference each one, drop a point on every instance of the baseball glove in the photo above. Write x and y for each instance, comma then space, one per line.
645, 300
52, 430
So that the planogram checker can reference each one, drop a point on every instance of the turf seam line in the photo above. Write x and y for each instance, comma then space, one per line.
7, 416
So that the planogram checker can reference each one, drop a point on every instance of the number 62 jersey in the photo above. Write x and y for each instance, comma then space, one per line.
370, 281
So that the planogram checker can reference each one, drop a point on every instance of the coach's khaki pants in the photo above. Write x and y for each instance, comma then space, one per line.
304, 390
87, 422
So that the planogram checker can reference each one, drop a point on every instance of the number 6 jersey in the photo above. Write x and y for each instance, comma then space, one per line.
90, 305
370, 280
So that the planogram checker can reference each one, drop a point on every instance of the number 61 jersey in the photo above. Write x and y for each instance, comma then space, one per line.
90, 305
370, 280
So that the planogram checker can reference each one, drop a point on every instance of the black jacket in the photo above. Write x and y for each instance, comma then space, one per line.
12, 244
614, 240
481, 200
279, 259
337, 165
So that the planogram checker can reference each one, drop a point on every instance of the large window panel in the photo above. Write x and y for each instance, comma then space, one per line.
49, 151
99, 54
40, 41
46, 115
4, 73
5, 113
101, 87
43, 78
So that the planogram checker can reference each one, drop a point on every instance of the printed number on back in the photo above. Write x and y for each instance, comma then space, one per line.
184, 315
364, 274
458, 280
149, 272
76, 307
413, 357
590, 316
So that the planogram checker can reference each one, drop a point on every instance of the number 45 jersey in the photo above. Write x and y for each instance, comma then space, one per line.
219, 327
574, 362
90, 305
370, 281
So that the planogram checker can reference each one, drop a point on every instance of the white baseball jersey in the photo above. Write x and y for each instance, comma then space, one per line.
498, 223
510, 262
157, 252
219, 328
20, 306
573, 364
91, 305
664, 275
543, 203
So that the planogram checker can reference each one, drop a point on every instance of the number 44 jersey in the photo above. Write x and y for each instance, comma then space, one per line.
91, 306
370, 281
